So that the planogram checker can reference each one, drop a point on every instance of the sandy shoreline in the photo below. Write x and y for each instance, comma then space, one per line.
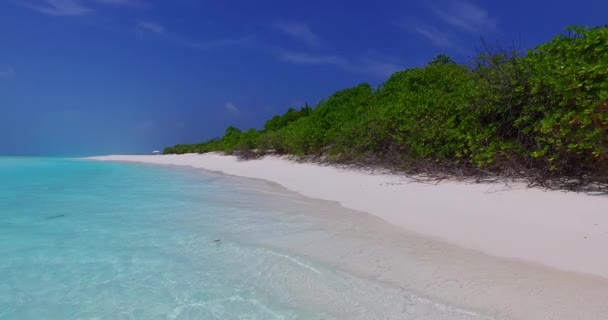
537, 254
568, 231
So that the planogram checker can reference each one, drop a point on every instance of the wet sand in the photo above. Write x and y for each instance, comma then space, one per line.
511, 252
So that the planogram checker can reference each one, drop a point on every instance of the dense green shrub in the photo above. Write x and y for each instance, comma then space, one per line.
291, 116
302, 137
432, 113
248, 140
330, 124
566, 105
271, 140
339, 118
545, 110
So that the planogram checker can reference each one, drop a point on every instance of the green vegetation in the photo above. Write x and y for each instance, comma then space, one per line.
543, 113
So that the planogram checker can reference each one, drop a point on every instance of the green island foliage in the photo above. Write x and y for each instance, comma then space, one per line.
544, 111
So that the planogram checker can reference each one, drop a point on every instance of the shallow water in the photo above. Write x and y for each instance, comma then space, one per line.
97, 240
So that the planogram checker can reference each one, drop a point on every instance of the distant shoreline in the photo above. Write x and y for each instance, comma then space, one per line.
564, 230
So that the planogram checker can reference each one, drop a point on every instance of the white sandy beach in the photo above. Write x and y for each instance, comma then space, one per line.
547, 231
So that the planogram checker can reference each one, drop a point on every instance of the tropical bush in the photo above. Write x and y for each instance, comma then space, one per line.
543, 111
565, 114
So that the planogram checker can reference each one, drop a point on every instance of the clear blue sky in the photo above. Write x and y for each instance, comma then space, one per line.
81, 77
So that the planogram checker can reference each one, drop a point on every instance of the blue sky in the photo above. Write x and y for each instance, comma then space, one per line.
80, 77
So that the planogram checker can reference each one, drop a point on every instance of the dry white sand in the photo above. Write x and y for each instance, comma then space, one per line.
560, 230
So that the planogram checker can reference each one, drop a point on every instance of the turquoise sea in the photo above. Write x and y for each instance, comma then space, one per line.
98, 240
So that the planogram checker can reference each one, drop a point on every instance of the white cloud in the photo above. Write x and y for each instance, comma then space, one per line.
218, 43
366, 65
73, 7
455, 19
306, 58
8, 73
437, 37
152, 27
465, 16
232, 109
380, 68
376, 68
121, 2
60, 7
298, 31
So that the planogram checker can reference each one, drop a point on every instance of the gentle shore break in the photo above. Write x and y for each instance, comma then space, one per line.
535, 227
564, 230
